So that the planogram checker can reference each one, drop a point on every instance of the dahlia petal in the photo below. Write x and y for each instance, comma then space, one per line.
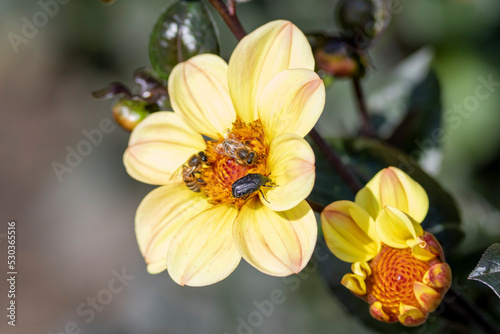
291, 103
377, 312
203, 252
393, 187
349, 232
159, 216
433, 245
421, 250
427, 297
291, 167
438, 276
270, 49
200, 96
411, 316
276, 243
362, 269
158, 146
355, 283
396, 229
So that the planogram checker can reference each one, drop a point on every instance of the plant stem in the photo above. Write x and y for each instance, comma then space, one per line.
335, 161
230, 17
366, 126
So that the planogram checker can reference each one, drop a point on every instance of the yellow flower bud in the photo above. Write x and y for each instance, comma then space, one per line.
393, 187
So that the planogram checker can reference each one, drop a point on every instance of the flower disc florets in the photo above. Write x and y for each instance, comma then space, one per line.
394, 273
228, 161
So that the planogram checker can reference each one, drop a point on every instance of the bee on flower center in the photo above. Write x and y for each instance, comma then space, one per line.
249, 184
191, 171
242, 153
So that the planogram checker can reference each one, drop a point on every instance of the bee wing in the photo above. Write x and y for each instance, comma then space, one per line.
177, 174
219, 149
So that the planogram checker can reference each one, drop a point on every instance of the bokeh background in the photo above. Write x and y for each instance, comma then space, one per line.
73, 234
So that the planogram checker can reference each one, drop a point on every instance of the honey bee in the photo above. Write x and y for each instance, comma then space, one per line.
191, 171
242, 153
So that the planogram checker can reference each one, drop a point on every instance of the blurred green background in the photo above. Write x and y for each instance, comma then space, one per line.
72, 234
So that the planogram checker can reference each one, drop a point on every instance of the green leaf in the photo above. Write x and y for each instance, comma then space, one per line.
487, 270
183, 30
420, 129
394, 89
368, 157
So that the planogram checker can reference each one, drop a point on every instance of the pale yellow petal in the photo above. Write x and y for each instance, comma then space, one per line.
200, 96
367, 199
291, 103
393, 187
397, 229
416, 197
202, 251
158, 146
161, 213
349, 232
276, 243
291, 167
270, 49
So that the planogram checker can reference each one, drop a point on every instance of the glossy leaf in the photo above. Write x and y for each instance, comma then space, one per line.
183, 30
389, 100
487, 270
420, 129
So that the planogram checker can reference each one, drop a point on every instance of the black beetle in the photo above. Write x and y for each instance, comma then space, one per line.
249, 184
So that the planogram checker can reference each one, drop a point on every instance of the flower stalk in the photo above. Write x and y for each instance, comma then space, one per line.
334, 159
229, 16
366, 125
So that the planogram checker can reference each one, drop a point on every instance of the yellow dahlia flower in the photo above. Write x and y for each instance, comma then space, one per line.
231, 160
397, 267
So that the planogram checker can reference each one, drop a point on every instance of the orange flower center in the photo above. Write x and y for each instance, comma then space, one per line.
394, 272
242, 151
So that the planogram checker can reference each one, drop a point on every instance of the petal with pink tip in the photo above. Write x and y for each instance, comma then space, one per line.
291, 103
159, 216
200, 96
427, 297
276, 243
291, 167
274, 47
203, 252
158, 146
